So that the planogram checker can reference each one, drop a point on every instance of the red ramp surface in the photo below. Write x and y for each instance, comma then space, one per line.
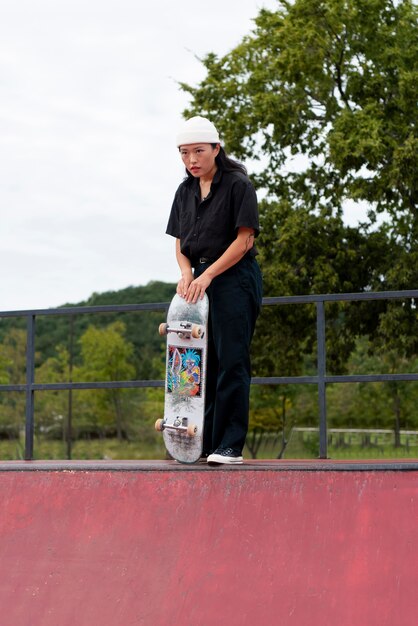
158, 544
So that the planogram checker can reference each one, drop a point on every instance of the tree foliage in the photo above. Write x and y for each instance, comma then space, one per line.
332, 85
321, 100
95, 348
107, 352
12, 372
106, 356
52, 331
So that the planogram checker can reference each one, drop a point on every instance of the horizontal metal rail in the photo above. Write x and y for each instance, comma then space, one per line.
84, 310
321, 380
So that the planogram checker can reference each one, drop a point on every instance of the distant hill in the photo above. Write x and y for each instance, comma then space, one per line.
154, 291
141, 327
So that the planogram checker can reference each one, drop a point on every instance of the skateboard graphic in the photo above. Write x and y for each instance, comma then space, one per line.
185, 380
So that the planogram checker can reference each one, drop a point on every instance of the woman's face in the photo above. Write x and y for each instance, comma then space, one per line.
199, 158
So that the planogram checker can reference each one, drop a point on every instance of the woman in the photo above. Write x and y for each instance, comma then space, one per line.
214, 219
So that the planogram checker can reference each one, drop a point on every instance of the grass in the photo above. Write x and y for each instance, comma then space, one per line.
95, 449
112, 449
301, 446
384, 452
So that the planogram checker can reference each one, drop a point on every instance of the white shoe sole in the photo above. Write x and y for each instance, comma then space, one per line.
229, 460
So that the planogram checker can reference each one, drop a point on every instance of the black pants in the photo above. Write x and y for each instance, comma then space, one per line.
234, 305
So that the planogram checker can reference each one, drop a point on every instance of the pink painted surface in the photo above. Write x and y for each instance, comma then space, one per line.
198, 548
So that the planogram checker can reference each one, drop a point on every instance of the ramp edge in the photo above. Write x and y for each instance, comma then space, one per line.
309, 465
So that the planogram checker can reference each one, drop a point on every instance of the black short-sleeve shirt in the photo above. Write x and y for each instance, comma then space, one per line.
206, 228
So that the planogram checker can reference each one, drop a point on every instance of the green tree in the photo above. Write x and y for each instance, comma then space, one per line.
107, 356
12, 371
304, 253
323, 93
52, 406
270, 414
375, 405
321, 98
141, 327
5, 365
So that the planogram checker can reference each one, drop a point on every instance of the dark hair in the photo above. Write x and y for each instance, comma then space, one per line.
225, 163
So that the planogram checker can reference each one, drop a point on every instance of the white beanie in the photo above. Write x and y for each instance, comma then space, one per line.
197, 130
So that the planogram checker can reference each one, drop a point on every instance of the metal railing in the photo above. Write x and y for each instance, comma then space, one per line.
320, 380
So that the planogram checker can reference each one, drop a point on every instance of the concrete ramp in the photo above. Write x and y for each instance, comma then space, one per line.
160, 544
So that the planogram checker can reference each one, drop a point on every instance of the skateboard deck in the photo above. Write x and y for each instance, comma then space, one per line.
185, 380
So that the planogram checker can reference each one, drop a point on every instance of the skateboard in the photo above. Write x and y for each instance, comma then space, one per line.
185, 380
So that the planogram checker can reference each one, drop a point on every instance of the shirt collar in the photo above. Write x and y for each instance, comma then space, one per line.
216, 180
218, 177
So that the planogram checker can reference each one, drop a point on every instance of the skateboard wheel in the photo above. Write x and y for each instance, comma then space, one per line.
162, 329
196, 331
159, 425
192, 430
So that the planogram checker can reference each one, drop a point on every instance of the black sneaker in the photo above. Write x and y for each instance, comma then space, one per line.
225, 455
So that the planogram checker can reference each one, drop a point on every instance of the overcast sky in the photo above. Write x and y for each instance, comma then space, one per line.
89, 109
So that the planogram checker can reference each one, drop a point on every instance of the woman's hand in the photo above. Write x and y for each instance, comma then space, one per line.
184, 283
197, 288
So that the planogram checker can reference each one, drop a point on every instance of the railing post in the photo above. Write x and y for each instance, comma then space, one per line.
30, 379
69, 427
321, 358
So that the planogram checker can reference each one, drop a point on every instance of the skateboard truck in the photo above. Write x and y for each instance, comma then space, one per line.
180, 424
185, 330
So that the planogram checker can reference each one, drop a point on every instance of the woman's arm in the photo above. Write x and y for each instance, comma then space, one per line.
186, 271
234, 253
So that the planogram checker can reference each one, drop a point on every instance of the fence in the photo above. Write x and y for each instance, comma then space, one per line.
321, 379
